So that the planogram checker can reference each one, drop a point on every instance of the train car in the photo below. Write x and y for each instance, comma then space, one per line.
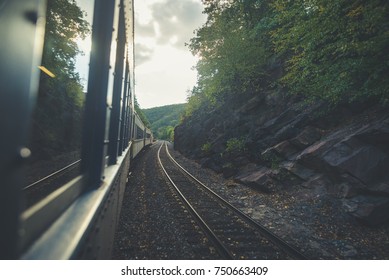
139, 140
66, 102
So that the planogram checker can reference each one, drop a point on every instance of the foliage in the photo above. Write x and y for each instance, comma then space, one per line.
272, 159
232, 59
163, 120
196, 101
58, 115
165, 133
168, 115
64, 25
235, 145
332, 50
141, 113
336, 50
206, 148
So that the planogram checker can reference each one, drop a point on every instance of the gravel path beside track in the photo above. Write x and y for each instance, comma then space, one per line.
149, 228
304, 219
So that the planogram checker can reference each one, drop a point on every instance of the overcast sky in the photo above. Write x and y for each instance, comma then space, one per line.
163, 63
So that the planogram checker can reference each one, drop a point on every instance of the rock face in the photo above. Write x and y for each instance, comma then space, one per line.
344, 153
261, 179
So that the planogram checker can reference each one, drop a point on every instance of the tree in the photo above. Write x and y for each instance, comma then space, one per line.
233, 55
335, 49
58, 115
331, 50
140, 113
166, 133
65, 24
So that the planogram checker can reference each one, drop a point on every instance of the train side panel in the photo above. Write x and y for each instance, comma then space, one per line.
78, 219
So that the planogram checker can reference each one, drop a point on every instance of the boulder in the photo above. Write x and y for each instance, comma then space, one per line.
350, 186
377, 134
286, 149
307, 137
365, 162
319, 184
261, 179
298, 170
212, 163
229, 171
311, 157
370, 210
346, 190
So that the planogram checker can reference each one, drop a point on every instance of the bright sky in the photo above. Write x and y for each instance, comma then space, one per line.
164, 65
163, 73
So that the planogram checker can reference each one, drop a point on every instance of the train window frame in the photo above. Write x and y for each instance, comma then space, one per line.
75, 204
70, 227
117, 90
96, 111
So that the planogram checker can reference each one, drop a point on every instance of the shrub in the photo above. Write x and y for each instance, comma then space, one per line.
206, 148
235, 145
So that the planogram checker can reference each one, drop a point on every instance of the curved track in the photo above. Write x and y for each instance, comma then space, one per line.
233, 233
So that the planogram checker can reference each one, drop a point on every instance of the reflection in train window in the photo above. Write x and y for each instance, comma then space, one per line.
56, 127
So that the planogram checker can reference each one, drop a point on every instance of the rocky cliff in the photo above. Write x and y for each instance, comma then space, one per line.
272, 142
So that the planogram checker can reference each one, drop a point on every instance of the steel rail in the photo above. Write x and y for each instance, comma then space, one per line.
52, 174
291, 250
208, 231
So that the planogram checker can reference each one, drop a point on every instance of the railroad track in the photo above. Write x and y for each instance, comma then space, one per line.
234, 234
39, 189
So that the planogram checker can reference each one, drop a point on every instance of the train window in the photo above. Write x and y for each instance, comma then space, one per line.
124, 111
139, 133
56, 127
72, 133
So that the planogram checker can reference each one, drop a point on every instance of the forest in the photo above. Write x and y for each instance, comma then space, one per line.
163, 119
333, 51
57, 119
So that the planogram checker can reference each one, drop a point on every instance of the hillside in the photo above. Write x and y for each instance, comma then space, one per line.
295, 100
163, 119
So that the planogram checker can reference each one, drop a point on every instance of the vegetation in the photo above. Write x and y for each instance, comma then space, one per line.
163, 120
166, 133
331, 50
235, 145
141, 113
58, 114
334, 49
206, 148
